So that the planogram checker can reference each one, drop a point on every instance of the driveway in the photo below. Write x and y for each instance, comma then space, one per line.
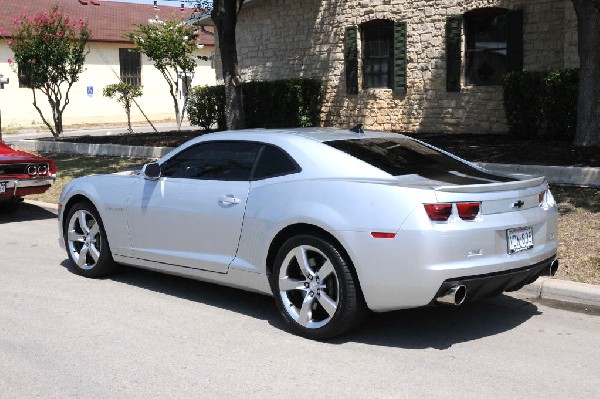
144, 334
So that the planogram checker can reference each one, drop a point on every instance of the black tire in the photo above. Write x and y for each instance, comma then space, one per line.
87, 246
321, 306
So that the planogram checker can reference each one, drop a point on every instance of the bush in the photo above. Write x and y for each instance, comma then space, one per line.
541, 103
268, 104
206, 107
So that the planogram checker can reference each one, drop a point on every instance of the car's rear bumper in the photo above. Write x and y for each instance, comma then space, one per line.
491, 284
22, 187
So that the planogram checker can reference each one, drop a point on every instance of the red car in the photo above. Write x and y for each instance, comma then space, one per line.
22, 173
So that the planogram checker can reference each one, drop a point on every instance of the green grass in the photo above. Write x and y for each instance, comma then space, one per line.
70, 167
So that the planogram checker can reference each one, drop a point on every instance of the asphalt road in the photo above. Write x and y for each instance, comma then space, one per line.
143, 334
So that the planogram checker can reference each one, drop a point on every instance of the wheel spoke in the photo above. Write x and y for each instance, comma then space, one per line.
82, 218
289, 284
306, 311
326, 270
95, 229
94, 252
328, 303
302, 259
82, 255
74, 236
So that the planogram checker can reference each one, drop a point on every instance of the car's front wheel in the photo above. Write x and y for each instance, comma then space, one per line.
315, 289
86, 241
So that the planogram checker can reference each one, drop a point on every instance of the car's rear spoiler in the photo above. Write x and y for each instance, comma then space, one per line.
528, 182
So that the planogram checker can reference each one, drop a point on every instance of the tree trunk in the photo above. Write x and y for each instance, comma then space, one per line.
588, 104
224, 15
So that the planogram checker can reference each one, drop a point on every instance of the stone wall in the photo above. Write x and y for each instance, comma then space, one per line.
279, 39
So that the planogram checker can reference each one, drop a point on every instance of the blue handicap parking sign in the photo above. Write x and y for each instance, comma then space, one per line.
90, 91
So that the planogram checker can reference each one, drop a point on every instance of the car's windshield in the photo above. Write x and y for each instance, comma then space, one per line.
402, 156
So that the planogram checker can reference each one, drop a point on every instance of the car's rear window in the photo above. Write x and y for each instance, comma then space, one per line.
402, 156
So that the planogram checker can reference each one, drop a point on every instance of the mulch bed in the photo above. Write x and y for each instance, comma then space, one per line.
494, 148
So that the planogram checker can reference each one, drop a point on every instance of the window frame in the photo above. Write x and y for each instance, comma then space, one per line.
130, 74
382, 30
472, 53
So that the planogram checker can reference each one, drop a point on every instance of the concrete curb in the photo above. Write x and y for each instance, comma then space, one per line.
112, 150
572, 175
45, 205
563, 290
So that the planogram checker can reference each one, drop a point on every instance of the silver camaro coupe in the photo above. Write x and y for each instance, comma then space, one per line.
331, 222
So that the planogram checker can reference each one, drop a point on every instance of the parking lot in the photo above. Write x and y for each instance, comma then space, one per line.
143, 334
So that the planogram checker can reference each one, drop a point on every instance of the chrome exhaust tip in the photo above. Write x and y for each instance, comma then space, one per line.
454, 296
553, 268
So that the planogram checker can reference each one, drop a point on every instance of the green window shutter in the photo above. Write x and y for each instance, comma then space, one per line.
351, 59
399, 83
514, 41
453, 52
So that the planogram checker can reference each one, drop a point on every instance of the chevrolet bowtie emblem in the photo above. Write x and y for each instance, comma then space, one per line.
519, 204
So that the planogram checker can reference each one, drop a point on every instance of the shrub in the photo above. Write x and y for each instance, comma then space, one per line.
541, 103
206, 107
269, 104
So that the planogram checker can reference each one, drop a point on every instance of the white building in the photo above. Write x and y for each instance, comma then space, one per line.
107, 61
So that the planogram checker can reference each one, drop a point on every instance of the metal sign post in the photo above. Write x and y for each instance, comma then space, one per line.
3, 81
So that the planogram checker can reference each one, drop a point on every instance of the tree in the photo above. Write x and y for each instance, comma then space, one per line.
170, 45
224, 14
588, 104
124, 94
50, 51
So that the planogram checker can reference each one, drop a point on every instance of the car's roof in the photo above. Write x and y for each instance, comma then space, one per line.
320, 134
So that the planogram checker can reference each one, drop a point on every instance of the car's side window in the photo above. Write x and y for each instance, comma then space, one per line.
215, 160
273, 162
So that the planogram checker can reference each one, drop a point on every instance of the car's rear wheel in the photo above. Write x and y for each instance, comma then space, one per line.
315, 289
86, 242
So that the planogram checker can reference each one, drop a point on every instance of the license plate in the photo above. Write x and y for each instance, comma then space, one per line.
519, 239
2, 187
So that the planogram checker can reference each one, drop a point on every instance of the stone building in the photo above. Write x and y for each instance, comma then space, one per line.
408, 65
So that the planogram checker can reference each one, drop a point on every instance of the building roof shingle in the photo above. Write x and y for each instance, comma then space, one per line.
108, 20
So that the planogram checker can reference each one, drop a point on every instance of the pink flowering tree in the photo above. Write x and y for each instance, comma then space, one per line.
49, 50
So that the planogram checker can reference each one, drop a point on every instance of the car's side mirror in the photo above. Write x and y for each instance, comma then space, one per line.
151, 171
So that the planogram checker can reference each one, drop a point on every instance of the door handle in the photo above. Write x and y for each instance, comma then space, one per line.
229, 200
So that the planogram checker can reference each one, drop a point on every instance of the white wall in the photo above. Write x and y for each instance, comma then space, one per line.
101, 69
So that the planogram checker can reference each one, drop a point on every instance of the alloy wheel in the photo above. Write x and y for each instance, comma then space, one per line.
309, 287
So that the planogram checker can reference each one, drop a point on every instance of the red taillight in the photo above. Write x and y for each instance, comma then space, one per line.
438, 212
468, 210
541, 197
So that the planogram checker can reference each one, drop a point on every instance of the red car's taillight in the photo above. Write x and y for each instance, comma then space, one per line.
438, 212
468, 210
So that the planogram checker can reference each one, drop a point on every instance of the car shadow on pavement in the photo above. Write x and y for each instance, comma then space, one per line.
440, 327
26, 212
431, 327
238, 301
